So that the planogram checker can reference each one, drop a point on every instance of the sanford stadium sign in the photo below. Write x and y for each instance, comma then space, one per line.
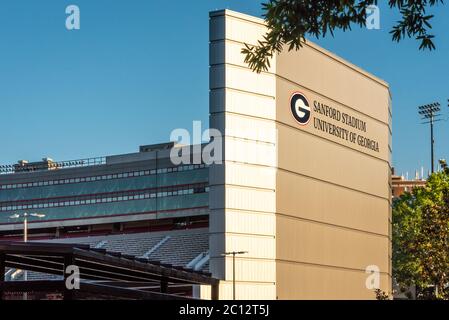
332, 121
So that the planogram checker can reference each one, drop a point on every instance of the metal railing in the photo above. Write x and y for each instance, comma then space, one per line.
44, 166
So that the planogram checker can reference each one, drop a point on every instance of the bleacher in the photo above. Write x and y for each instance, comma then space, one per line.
182, 249
186, 248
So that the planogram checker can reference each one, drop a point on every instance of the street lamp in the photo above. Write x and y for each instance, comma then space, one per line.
25, 216
233, 253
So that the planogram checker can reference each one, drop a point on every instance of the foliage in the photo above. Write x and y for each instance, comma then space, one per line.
289, 21
381, 295
421, 238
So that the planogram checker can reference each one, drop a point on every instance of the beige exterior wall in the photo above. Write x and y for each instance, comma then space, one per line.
311, 208
242, 193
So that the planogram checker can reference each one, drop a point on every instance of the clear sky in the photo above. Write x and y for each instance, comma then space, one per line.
139, 68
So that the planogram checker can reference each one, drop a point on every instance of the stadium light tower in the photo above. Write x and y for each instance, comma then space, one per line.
25, 216
430, 113
233, 253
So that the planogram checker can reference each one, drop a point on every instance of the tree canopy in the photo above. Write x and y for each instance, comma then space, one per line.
289, 21
421, 238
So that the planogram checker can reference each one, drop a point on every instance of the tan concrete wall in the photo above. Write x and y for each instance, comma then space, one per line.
242, 193
351, 209
326, 74
311, 209
310, 282
332, 195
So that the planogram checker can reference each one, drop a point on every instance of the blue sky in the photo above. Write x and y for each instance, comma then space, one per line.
138, 69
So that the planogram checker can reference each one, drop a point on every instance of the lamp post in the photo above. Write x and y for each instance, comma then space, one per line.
430, 112
25, 216
233, 253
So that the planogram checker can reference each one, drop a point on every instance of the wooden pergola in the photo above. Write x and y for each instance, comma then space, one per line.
103, 274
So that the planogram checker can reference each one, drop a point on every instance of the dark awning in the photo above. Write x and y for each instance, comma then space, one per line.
99, 268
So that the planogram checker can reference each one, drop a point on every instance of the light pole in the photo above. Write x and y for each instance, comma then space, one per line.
430, 112
233, 253
25, 216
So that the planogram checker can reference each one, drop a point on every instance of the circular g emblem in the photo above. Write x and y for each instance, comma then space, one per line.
300, 108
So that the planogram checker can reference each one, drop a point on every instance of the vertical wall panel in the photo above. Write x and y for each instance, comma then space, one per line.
242, 108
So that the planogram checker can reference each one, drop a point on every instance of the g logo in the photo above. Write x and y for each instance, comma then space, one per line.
300, 108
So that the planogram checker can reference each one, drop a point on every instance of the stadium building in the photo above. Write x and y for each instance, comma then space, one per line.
303, 189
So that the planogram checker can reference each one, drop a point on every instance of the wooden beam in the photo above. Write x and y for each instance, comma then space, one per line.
164, 285
38, 248
152, 271
108, 292
35, 261
115, 273
2, 267
215, 291
95, 264
48, 286
2, 274
87, 289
